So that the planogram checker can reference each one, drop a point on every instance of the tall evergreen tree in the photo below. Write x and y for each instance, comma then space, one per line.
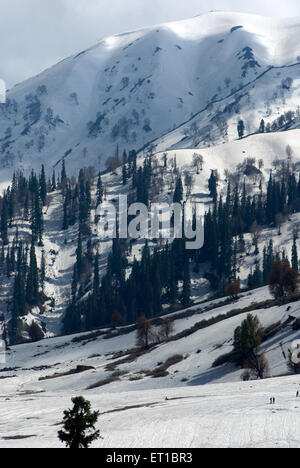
99, 190
295, 260
241, 128
178, 194
79, 425
212, 185
63, 178
32, 284
53, 182
43, 186
4, 222
43, 271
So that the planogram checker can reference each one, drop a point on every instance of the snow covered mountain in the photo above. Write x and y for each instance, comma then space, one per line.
183, 84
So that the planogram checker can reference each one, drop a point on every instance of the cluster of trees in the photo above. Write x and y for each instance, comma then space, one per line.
247, 342
78, 199
141, 182
161, 278
268, 127
24, 202
276, 272
145, 333
157, 279
122, 295
24, 199
28, 287
164, 277
227, 223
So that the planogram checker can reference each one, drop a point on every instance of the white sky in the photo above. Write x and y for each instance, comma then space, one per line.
35, 34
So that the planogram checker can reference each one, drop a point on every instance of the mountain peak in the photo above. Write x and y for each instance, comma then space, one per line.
152, 85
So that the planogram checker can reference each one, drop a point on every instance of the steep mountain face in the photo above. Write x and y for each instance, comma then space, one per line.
183, 84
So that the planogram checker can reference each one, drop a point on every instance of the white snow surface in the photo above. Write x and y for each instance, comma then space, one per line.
151, 85
194, 406
223, 416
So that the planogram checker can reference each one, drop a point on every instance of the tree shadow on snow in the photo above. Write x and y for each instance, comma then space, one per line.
212, 375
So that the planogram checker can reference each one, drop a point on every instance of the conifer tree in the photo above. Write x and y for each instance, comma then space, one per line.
32, 285
79, 423
4, 222
43, 271
19, 294
63, 178
295, 259
96, 283
262, 126
37, 222
53, 182
124, 175
178, 194
79, 256
43, 186
99, 190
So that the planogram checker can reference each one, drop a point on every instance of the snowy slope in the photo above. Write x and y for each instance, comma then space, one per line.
27, 364
221, 416
133, 88
173, 411
59, 246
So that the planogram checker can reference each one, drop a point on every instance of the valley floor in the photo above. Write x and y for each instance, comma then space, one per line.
220, 415
38, 381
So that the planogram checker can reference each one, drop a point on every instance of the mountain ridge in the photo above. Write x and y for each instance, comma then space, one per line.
126, 91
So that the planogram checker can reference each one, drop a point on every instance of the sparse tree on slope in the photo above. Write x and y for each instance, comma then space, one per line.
79, 423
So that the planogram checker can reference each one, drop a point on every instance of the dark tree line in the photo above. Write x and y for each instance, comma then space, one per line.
24, 199
231, 218
164, 277
153, 281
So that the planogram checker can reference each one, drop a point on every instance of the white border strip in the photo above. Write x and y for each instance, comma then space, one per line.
2, 92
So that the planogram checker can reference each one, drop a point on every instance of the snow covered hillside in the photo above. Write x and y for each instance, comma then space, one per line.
60, 246
176, 410
188, 82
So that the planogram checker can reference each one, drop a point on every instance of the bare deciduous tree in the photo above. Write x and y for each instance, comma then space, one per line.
112, 163
279, 222
233, 289
166, 328
198, 162
256, 231
144, 332
258, 366
189, 183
